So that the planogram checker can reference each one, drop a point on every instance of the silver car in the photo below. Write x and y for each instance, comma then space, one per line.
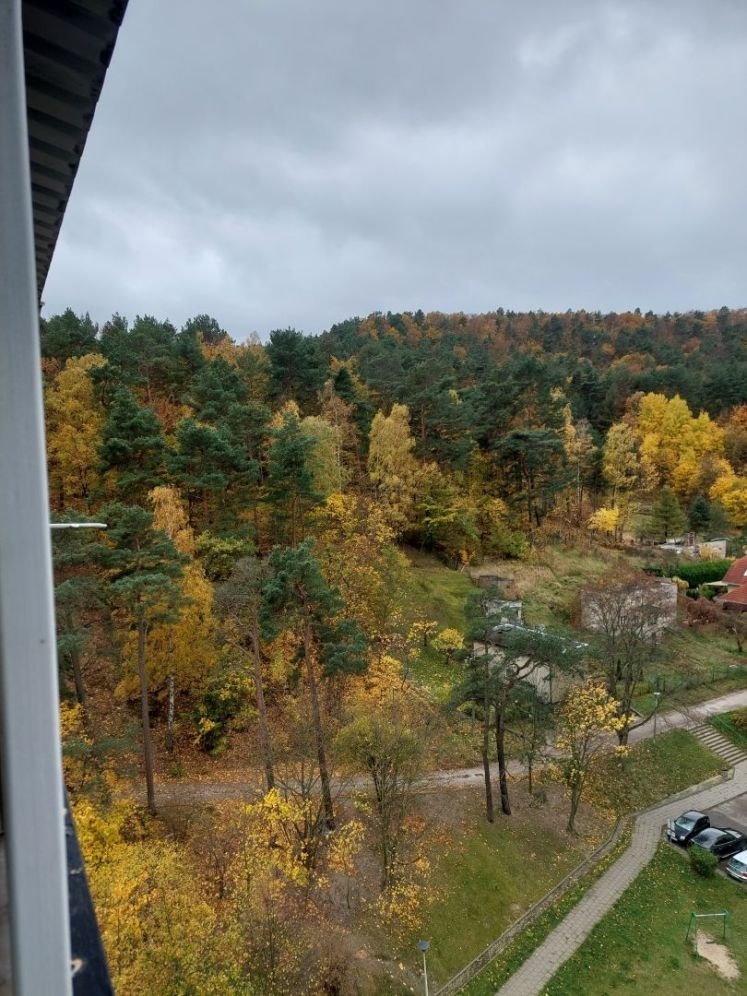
737, 866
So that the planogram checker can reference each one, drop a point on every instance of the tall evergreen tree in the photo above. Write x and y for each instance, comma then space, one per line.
141, 566
133, 448
67, 335
290, 481
297, 595
297, 368
668, 521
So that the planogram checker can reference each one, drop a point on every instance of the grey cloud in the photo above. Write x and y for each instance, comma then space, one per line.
283, 162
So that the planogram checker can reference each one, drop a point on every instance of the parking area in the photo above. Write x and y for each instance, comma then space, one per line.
730, 814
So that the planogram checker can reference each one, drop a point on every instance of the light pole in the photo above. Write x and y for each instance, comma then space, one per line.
657, 696
423, 946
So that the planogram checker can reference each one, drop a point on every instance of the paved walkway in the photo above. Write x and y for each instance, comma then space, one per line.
687, 717
537, 971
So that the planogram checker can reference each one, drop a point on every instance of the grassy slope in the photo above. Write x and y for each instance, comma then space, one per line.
724, 723
639, 947
654, 770
490, 875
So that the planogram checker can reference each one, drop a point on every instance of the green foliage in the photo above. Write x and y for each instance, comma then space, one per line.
699, 514
219, 554
66, 335
667, 518
640, 943
297, 371
702, 861
296, 592
141, 564
696, 572
223, 707
290, 486
733, 725
132, 447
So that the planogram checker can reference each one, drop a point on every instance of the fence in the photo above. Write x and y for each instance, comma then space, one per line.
501, 943
672, 683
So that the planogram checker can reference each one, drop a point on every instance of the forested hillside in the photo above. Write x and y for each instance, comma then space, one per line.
254, 593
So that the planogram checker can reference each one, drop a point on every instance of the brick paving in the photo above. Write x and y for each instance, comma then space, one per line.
537, 971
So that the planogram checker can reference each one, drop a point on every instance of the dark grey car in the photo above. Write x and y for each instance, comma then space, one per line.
685, 827
721, 841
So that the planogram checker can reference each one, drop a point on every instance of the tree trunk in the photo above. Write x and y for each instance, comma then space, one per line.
316, 719
575, 800
170, 715
264, 732
489, 810
145, 711
80, 688
500, 748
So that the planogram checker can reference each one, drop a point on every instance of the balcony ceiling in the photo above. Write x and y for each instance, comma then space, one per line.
67, 48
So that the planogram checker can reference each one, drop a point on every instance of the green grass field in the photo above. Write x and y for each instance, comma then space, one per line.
653, 770
490, 875
639, 948
724, 723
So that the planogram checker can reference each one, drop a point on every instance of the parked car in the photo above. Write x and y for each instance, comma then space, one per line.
685, 827
737, 866
721, 841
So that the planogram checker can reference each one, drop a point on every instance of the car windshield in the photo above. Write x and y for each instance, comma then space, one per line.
738, 865
685, 823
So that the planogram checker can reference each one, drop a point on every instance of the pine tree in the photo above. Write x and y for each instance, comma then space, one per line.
133, 448
297, 595
667, 518
142, 568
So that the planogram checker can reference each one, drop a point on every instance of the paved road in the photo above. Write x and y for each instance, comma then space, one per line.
537, 971
185, 792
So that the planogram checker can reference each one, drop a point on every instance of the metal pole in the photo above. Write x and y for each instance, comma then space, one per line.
425, 974
29, 722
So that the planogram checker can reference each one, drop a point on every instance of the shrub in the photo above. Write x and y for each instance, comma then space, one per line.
739, 719
698, 572
703, 862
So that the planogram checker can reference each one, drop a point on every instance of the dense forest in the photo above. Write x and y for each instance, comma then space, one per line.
261, 501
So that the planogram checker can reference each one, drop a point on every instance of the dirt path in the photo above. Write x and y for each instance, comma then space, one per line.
190, 792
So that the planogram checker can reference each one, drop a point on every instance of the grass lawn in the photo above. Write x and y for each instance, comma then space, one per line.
503, 967
724, 723
653, 770
491, 874
640, 947
437, 593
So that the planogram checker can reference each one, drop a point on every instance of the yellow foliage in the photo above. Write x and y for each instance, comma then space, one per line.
160, 934
605, 520
730, 491
170, 515
184, 648
674, 443
75, 419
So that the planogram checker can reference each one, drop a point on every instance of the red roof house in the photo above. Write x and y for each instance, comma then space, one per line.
736, 599
736, 576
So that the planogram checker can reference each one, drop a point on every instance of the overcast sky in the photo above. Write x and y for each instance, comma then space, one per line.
296, 162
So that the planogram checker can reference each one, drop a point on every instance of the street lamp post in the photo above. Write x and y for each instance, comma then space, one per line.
423, 946
657, 696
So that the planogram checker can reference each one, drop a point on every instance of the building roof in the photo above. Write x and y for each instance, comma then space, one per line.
67, 47
737, 573
737, 596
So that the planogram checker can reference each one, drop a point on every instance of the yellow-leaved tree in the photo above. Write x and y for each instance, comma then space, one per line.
159, 932
392, 467
588, 713
75, 418
181, 653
